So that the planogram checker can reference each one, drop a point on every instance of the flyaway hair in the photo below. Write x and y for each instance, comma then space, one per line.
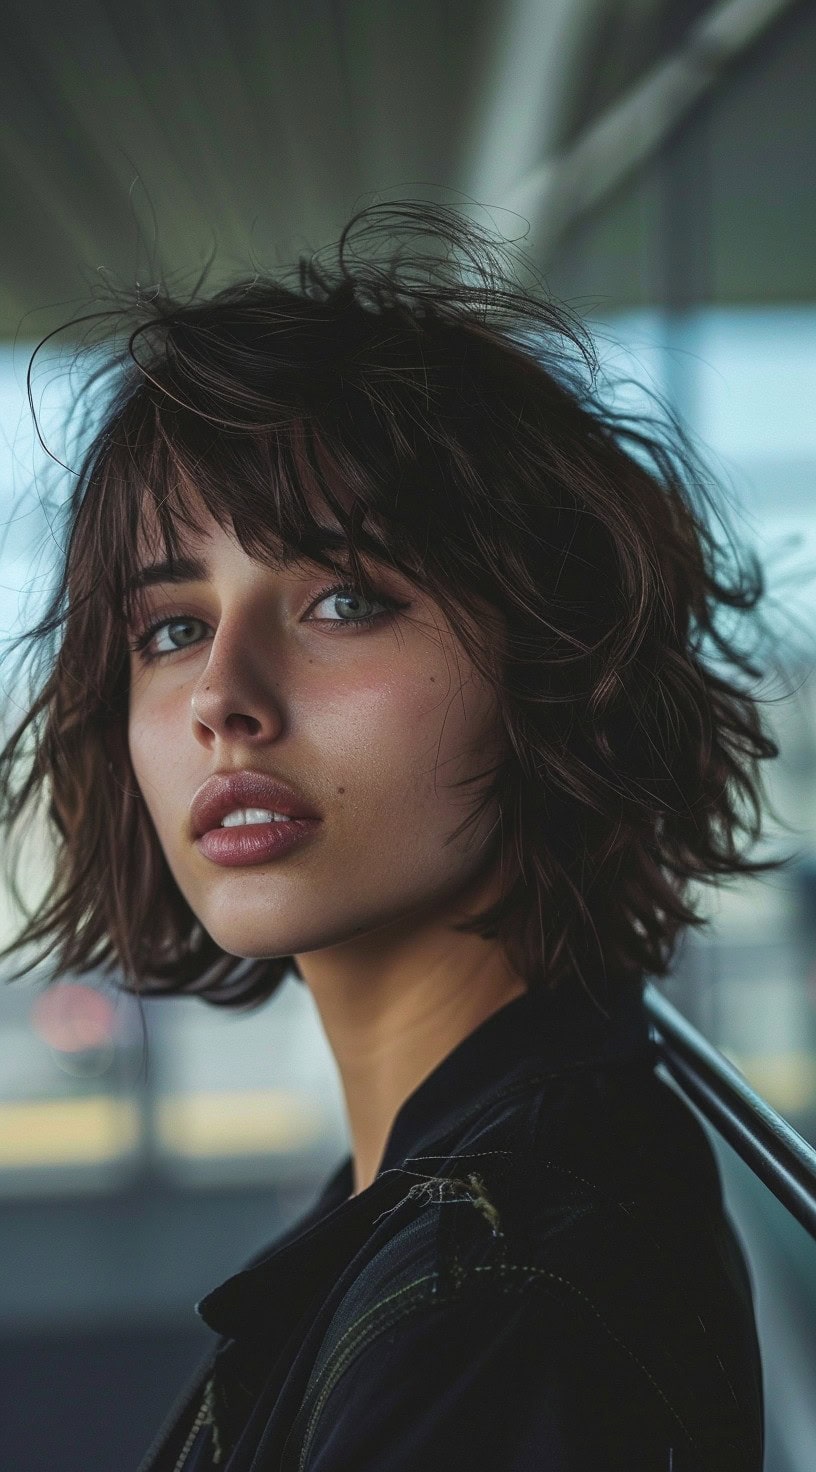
450, 418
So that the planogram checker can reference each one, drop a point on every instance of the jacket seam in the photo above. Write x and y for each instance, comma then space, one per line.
538, 1272
381, 1321
515, 1154
609, 1199
380, 1318
190, 1394
670, 1264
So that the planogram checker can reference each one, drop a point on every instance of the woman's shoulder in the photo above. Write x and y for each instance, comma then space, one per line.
581, 1226
530, 1310
586, 1141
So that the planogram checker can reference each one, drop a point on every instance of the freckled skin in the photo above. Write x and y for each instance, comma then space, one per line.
372, 726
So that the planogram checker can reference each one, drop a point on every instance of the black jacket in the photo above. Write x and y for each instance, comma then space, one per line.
541, 1278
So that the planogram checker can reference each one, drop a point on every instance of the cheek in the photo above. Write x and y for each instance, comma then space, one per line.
155, 753
394, 739
383, 716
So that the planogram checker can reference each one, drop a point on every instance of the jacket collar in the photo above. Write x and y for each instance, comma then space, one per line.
538, 1032
535, 1034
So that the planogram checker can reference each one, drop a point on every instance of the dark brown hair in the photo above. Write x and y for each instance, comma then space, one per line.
457, 418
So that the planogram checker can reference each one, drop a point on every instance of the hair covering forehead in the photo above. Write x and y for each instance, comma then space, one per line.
183, 507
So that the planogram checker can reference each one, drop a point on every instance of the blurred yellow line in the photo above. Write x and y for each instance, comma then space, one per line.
238, 1122
67, 1131
97, 1128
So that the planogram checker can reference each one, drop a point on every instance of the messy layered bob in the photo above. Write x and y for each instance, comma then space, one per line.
450, 420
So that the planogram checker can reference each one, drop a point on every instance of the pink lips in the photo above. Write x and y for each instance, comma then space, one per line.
254, 843
223, 792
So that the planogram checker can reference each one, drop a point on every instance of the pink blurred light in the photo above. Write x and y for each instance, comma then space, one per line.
72, 1017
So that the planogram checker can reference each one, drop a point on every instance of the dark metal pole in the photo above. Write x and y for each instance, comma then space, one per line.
773, 1149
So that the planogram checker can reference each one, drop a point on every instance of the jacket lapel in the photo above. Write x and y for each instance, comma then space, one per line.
264, 1301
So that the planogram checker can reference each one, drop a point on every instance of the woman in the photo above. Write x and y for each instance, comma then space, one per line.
382, 662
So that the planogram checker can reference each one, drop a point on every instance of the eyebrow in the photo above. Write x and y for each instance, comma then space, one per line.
184, 570
197, 569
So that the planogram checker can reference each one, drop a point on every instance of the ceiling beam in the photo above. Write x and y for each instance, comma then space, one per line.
538, 50
558, 191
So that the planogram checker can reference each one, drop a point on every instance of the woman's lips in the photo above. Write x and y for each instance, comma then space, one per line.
255, 843
225, 792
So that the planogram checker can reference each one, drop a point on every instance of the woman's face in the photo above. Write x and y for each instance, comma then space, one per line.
373, 725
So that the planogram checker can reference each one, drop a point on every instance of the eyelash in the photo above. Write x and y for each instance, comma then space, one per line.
391, 605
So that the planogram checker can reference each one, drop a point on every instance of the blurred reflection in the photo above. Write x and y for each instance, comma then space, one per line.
79, 1026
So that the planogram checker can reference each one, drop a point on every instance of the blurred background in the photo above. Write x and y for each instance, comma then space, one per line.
663, 157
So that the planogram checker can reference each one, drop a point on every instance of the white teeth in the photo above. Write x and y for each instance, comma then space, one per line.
252, 815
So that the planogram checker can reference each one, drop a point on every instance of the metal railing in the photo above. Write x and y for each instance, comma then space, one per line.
775, 1152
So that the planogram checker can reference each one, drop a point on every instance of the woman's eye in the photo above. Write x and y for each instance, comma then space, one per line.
175, 632
349, 601
140, 646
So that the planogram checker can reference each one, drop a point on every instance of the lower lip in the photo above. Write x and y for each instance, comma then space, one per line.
254, 843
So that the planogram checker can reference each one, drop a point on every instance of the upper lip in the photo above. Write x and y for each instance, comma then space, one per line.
225, 791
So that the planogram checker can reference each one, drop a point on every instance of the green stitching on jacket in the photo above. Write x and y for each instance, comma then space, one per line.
378, 1322
447, 1191
546, 1273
